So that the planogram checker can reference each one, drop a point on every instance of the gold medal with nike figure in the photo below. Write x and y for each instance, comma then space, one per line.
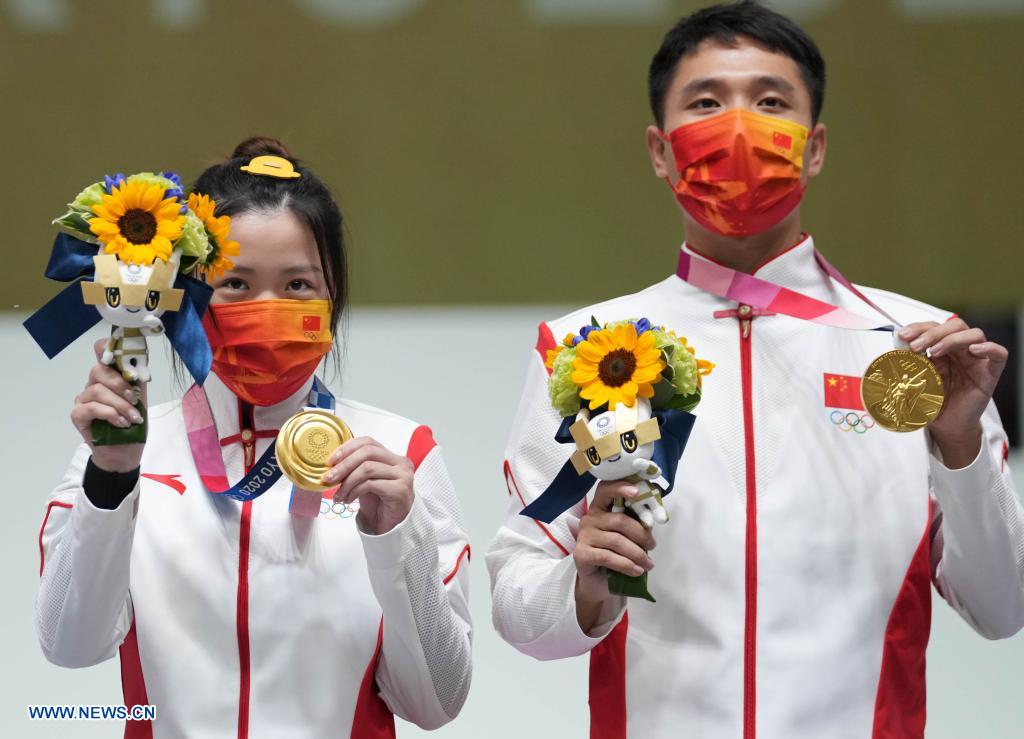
902, 390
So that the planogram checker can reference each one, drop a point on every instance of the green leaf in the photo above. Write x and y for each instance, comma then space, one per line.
685, 402
594, 323
663, 394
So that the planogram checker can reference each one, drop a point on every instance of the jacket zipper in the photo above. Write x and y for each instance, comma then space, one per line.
745, 316
246, 429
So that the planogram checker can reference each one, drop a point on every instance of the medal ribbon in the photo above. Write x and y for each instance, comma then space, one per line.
205, 446
757, 293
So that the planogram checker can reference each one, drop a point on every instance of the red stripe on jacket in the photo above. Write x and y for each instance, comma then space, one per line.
372, 718
420, 444
133, 685
545, 341
608, 684
900, 701
49, 508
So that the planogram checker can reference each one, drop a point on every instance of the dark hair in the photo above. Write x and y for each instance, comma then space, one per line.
236, 192
723, 24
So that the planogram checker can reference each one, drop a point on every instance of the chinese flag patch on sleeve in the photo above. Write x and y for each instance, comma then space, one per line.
311, 323
843, 391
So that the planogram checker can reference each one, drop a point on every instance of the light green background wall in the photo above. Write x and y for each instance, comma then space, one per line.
492, 150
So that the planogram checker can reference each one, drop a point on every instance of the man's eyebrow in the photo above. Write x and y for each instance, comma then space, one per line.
774, 81
701, 84
712, 84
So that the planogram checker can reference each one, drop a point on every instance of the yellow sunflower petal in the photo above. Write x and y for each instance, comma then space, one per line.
589, 351
584, 375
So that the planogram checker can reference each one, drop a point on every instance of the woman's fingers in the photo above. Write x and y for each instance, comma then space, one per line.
106, 396
368, 459
381, 488
83, 414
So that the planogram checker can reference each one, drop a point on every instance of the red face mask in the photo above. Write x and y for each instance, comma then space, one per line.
739, 172
265, 350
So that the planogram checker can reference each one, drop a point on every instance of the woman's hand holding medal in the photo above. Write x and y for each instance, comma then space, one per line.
379, 479
970, 367
109, 397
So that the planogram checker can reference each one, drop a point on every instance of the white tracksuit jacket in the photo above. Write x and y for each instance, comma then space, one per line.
793, 579
241, 620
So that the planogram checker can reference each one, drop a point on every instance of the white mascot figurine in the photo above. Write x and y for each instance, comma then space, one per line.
619, 445
132, 297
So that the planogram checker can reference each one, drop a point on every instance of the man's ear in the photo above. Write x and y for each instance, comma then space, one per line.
816, 145
662, 161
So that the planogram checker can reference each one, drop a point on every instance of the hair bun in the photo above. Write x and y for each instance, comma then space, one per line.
261, 146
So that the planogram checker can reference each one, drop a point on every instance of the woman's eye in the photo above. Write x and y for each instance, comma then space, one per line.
233, 283
299, 285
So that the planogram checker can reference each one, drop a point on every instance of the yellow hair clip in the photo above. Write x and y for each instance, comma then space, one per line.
271, 166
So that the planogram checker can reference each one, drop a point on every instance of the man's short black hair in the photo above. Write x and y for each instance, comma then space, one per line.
723, 24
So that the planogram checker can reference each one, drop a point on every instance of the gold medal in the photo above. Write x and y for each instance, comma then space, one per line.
304, 444
902, 390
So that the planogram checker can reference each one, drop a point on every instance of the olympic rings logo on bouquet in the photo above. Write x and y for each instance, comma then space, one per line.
331, 510
859, 423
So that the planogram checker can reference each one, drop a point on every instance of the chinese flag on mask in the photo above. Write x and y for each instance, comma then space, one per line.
843, 391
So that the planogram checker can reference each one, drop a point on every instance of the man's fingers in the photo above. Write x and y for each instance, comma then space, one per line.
991, 351
622, 524
607, 492
591, 557
957, 341
622, 546
936, 332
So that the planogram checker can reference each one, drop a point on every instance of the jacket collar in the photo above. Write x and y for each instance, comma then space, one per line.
795, 268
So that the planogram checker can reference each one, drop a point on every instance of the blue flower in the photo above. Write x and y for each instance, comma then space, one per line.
642, 325
586, 330
109, 183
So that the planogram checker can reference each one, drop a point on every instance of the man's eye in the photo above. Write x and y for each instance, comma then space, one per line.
704, 103
772, 102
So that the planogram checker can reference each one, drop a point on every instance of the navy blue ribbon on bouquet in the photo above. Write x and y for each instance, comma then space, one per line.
66, 317
569, 487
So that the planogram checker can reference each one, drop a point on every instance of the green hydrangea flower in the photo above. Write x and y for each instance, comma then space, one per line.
564, 394
90, 196
195, 243
682, 365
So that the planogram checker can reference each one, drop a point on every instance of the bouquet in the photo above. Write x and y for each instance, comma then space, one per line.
138, 238
625, 390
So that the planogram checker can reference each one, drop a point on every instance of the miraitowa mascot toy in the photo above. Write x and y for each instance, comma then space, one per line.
127, 245
625, 391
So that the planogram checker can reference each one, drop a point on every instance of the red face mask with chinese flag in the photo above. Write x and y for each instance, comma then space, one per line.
265, 350
739, 172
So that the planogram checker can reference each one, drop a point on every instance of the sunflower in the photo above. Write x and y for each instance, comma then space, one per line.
137, 223
219, 228
616, 365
